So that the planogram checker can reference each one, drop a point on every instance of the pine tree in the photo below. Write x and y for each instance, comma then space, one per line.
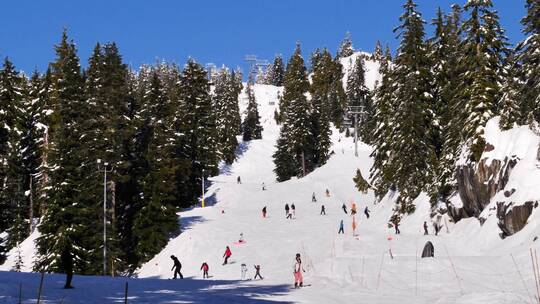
292, 157
484, 49
345, 48
378, 52
522, 85
336, 94
68, 227
251, 126
359, 95
276, 72
360, 182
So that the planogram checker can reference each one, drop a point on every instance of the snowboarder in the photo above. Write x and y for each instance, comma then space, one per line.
241, 238
293, 208
263, 186
243, 270
204, 268
344, 207
227, 255
327, 192
238, 180
287, 210
298, 269
366, 212
353, 209
425, 228
264, 211
313, 199
323, 211
341, 228
257, 272
177, 266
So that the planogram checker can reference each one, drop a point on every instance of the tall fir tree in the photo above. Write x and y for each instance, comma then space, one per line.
276, 72
251, 126
346, 47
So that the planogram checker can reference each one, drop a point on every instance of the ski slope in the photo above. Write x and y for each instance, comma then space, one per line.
471, 265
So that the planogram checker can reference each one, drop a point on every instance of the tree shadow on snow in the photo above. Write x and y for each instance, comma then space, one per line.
242, 147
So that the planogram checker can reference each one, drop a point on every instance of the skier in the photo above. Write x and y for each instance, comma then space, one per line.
293, 208
176, 267
257, 272
263, 186
353, 209
241, 239
238, 180
341, 228
313, 199
327, 192
323, 211
287, 210
437, 228
227, 255
67, 262
425, 228
264, 211
298, 269
396, 224
243, 270
204, 268
344, 207
366, 212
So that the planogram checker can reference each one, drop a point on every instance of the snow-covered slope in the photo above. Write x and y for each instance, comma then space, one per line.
471, 265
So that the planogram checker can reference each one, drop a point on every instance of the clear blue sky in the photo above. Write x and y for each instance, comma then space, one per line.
218, 31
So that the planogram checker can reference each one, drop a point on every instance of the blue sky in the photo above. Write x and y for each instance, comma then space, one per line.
221, 32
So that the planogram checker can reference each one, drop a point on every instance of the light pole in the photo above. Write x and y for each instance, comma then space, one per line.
202, 186
356, 110
105, 171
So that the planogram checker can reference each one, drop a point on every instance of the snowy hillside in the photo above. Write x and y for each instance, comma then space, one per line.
472, 263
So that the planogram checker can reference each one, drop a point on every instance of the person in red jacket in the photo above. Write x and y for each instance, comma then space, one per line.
227, 255
204, 268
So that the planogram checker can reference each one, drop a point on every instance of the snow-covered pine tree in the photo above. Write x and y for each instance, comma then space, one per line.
346, 47
251, 126
358, 94
484, 49
68, 228
413, 157
360, 182
381, 175
444, 55
198, 126
295, 138
378, 52
522, 87
156, 220
321, 103
336, 95
276, 72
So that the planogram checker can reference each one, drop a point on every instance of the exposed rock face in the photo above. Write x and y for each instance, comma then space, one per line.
513, 218
478, 184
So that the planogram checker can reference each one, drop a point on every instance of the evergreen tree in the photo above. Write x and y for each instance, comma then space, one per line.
378, 52
359, 95
292, 157
276, 72
484, 49
345, 48
68, 227
251, 126
336, 94
360, 182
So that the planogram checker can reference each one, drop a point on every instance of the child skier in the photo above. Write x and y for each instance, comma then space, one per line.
425, 228
204, 268
293, 208
238, 180
257, 272
263, 186
344, 207
264, 211
327, 192
366, 212
341, 228
298, 269
353, 209
241, 238
313, 199
287, 210
227, 255
177, 266
323, 211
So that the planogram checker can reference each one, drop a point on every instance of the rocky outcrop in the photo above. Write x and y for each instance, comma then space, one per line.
477, 184
512, 218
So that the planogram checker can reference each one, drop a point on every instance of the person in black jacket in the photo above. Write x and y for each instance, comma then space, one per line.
176, 267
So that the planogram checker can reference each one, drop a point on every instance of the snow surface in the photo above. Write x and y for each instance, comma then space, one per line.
471, 265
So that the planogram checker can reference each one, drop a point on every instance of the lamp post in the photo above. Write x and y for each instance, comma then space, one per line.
105, 171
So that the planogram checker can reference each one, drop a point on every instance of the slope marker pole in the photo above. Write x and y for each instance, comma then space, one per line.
521, 276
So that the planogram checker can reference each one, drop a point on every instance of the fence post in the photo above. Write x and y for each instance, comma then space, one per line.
40, 287
126, 294
20, 293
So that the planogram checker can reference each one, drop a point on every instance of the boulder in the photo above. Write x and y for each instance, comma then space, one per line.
512, 218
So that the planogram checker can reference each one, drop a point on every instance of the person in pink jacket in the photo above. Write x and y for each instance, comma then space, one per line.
298, 270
